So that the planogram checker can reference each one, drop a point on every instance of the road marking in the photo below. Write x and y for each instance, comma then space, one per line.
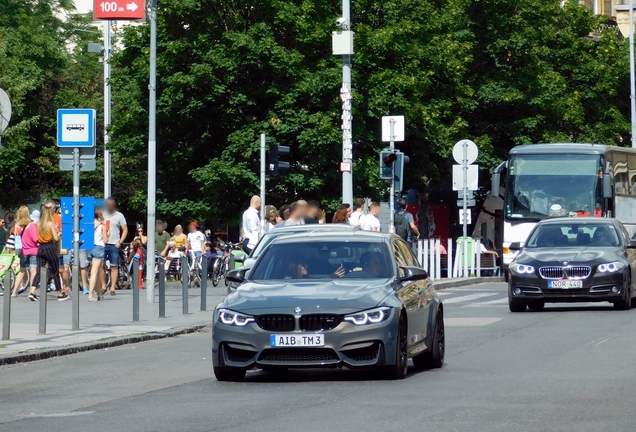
497, 303
62, 414
443, 293
469, 297
469, 322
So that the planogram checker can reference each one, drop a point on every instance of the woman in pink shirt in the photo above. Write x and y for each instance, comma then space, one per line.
28, 258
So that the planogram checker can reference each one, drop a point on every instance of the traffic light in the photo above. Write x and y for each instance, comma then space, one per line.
275, 152
387, 161
398, 168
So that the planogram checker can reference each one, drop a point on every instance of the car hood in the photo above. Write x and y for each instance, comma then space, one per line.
576, 255
339, 295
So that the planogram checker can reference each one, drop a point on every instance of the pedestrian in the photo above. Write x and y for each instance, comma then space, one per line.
100, 235
179, 238
322, 216
271, 217
354, 219
30, 251
173, 258
48, 238
313, 211
84, 259
370, 222
340, 217
140, 236
64, 257
405, 224
296, 212
118, 231
161, 238
251, 224
22, 221
196, 241
283, 214
4, 234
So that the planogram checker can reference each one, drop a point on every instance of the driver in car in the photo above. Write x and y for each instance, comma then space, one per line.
600, 237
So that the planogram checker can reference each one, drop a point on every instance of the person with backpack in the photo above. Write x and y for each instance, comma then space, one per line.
405, 224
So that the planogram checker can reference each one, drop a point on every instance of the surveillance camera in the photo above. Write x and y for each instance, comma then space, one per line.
341, 21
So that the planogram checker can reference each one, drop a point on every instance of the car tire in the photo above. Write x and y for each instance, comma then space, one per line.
229, 374
434, 358
537, 305
506, 276
401, 366
516, 306
626, 302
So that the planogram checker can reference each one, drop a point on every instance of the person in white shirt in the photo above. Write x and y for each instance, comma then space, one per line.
196, 240
251, 224
357, 215
370, 222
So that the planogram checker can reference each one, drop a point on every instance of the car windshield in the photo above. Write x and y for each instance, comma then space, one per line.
265, 241
323, 260
573, 234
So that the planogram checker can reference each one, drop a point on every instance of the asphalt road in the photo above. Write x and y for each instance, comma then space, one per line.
563, 369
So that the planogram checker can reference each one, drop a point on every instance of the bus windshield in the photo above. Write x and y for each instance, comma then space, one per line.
544, 185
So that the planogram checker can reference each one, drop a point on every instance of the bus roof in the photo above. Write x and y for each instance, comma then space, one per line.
564, 148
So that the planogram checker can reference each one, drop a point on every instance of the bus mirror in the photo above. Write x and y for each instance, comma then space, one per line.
496, 182
607, 187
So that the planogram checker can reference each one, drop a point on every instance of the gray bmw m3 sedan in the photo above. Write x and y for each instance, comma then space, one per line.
327, 300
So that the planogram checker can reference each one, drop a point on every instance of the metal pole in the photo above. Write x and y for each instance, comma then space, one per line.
6, 305
263, 172
392, 191
347, 117
204, 283
162, 289
76, 234
465, 207
184, 287
152, 154
107, 104
43, 297
632, 72
135, 289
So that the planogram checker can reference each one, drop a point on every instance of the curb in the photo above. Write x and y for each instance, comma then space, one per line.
90, 346
446, 284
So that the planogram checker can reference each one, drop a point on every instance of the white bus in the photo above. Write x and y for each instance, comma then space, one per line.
547, 180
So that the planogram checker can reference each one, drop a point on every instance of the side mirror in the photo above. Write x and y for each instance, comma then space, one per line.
516, 246
413, 274
607, 186
240, 257
236, 276
496, 182
632, 244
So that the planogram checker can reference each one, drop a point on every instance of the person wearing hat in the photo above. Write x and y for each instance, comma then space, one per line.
161, 238
196, 240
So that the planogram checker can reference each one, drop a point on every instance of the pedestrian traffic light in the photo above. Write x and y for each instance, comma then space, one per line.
275, 152
398, 170
387, 161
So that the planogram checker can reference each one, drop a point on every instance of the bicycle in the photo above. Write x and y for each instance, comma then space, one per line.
222, 264
195, 271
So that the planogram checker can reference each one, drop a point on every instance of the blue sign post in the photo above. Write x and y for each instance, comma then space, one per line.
76, 128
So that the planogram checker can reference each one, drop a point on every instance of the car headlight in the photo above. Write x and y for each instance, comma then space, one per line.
229, 317
612, 267
371, 316
521, 269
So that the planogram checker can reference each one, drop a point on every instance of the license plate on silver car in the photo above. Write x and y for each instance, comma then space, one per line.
316, 340
565, 284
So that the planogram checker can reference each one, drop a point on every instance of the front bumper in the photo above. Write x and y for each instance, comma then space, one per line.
597, 287
347, 345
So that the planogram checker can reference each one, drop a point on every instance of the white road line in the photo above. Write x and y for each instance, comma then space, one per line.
469, 322
443, 293
469, 297
497, 303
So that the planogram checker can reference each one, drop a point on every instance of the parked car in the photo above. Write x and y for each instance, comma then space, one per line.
573, 259
330, 299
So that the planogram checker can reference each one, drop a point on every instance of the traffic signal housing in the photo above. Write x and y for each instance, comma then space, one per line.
398, 170
387, 163
276, 165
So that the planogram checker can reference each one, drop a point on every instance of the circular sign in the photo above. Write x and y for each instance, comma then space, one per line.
9, 217
471, 152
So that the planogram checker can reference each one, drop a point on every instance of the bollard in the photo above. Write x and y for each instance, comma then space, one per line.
162, 289
186, 284
43, 298
135, 290
204, 282
6, 305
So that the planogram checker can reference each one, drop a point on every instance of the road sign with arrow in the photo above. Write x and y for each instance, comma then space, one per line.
119, 9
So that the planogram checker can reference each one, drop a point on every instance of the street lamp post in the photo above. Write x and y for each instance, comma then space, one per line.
152, 157
107, 106
625, 23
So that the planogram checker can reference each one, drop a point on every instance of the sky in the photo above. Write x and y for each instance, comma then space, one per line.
83, 6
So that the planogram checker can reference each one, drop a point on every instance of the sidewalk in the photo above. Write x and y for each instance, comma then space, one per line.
102, 324
109, 322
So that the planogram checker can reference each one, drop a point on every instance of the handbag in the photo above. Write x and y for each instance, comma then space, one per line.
15, 240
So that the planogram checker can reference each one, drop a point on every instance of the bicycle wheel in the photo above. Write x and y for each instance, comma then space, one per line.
216, 277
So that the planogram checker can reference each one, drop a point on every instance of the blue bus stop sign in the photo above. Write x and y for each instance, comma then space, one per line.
76, 128
87, 216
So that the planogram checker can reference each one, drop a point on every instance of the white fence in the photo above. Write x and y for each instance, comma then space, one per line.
438, 264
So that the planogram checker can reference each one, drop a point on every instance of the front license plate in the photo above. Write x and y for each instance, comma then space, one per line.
315, 340
565, 284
